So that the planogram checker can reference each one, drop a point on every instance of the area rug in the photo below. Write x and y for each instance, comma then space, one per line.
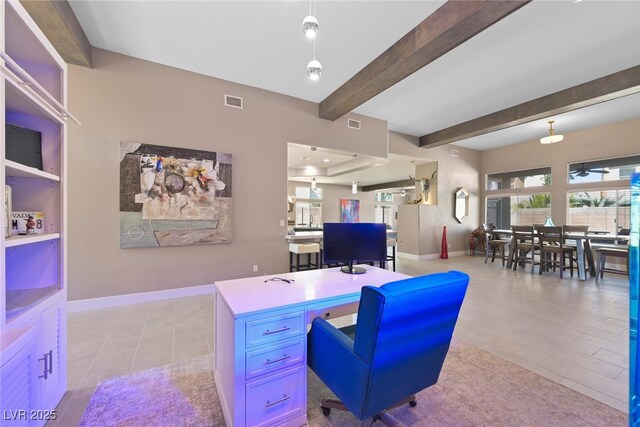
475, 389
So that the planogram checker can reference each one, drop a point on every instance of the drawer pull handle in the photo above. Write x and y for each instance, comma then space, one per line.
283, 329
48, 364
269, 403
280, 359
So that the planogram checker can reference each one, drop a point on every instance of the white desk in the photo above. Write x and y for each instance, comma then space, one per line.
260, 339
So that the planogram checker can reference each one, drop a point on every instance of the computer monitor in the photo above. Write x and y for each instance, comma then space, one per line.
353, 243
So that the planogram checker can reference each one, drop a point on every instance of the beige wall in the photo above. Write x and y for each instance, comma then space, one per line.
453, 173
126, 99
615, 140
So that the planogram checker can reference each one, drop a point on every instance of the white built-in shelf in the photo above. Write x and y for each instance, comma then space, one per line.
20, 98
35, 307
18, 240
17, 169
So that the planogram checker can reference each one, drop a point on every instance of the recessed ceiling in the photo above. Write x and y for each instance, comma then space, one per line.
543, 47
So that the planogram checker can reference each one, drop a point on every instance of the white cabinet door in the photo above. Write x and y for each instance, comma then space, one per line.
19, 391
52, 377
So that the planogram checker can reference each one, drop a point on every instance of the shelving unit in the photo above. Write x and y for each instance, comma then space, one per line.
33, 290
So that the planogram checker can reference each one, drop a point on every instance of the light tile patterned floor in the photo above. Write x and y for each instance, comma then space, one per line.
575, 333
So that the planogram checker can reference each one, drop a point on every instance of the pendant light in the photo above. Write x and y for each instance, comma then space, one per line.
551, 139
314, 69
310, 28
354, 187
313, 183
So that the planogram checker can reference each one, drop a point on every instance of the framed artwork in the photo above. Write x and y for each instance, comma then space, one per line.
349, 210
173, 196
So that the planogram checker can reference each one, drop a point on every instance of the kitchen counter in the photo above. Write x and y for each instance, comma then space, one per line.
316, 236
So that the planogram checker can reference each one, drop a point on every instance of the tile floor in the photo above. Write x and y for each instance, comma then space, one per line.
575, 333
116, 341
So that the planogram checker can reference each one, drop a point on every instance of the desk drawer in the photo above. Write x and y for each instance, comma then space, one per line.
271, 329
276, 357
277, 397
343, 308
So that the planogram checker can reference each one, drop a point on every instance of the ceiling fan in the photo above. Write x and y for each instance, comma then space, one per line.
583, 170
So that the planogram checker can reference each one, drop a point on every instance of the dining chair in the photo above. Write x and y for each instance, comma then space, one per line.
569, 242
493, 244
525, 246
553, 252
617, 251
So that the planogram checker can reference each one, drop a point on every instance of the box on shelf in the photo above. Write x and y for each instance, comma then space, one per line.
23, 146
27, 223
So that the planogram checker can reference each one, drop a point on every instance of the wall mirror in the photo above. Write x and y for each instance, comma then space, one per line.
462, 204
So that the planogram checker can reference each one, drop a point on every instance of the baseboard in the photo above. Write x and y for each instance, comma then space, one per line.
118, 300
415, 257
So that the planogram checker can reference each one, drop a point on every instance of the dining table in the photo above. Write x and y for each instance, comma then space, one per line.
583, 243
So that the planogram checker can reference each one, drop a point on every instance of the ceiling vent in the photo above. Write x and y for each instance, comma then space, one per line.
233, 101
454, 153
353, 124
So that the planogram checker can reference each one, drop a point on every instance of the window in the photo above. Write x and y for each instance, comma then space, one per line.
308, 214
383, 209
603, 211
526, 209
384, 197
384, 213
308, 210
540, 177
604, 170
309, 193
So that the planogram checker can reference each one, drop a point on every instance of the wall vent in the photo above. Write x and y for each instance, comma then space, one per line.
353, 124
233, 101
454, 153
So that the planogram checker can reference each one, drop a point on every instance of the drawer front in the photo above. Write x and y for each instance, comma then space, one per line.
340, 309
273, 399
272, 329
276, 357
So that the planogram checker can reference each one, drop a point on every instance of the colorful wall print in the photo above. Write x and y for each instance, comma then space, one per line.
349, 210
173, 196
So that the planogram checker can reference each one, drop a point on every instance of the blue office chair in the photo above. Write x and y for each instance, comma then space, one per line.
396, 348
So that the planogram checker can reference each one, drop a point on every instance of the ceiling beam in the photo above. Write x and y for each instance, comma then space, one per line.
607, 88
388, 185
58, 22
451, 25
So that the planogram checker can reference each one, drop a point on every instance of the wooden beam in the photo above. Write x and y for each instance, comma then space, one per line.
58, 22
607, 88
451, 25
387, 185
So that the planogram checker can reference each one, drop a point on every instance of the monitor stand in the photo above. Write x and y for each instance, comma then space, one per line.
350, 269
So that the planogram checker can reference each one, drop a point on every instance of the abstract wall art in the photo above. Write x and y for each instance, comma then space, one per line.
349, 210
173, 196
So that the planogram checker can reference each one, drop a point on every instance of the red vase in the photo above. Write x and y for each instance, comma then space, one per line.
444, 253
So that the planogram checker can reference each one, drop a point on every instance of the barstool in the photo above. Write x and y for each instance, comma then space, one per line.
601, 259
391, 243
303, 248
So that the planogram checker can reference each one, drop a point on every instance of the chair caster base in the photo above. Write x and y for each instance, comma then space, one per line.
413, 403
325, 411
